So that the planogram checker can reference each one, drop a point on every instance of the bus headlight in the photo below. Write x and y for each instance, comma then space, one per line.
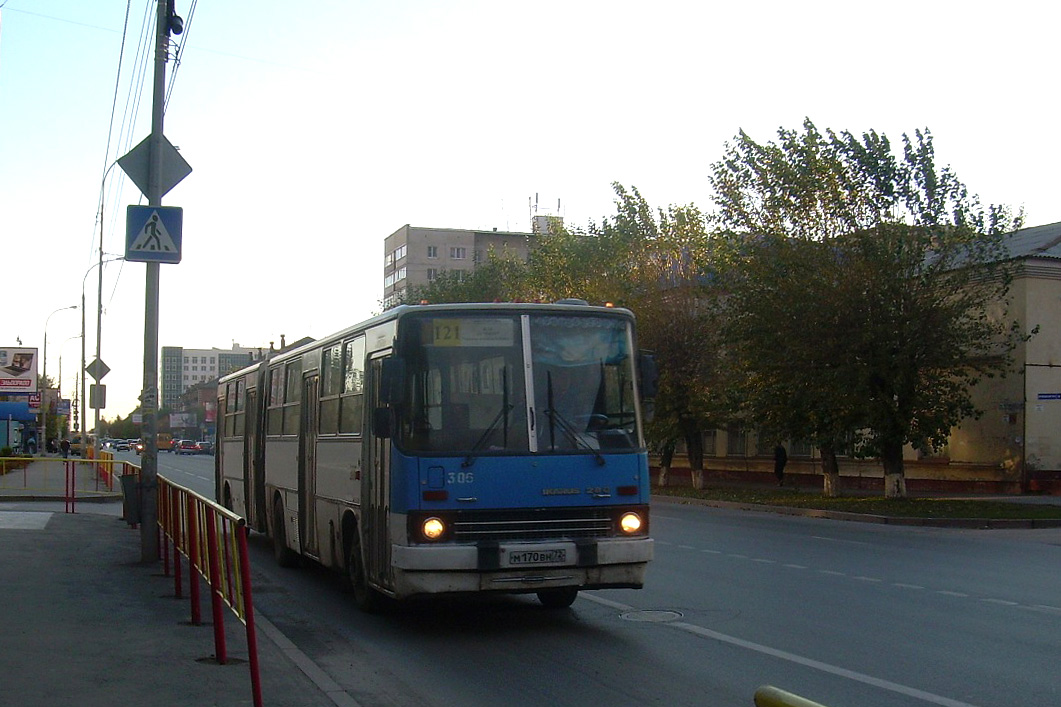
433, 528
630, 523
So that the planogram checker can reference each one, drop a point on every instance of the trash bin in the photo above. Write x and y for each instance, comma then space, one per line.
131, 503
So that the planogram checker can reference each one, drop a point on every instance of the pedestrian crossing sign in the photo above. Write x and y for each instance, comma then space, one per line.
153, 234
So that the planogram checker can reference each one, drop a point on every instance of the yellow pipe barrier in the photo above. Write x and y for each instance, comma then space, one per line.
770, 696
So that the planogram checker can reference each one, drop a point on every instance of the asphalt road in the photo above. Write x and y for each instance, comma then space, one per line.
841, 613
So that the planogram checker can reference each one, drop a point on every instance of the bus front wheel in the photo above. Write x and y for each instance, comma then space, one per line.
558, 598
285, 556
366, 598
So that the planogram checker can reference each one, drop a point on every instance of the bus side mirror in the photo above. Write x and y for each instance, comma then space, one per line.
381, 422
392, 381
649, 373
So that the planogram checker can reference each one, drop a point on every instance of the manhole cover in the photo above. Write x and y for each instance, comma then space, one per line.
657, 616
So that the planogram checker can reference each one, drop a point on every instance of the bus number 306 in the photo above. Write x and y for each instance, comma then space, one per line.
460, 477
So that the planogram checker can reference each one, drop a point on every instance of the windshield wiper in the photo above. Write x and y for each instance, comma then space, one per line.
506, 408
557, 419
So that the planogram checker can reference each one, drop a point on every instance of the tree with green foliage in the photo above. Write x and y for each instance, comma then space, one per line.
660, 266
868, 293
502, 277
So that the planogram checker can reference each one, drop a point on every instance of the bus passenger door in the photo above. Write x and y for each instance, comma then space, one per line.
307, 467
251, 472
375, 489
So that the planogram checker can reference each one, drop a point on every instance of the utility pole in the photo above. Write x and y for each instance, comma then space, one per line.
149, 550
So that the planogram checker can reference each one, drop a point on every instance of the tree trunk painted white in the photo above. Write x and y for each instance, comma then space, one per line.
698, 479
895, 485
831, 486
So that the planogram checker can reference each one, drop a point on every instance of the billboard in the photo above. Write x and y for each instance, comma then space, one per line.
18, 370
183, 420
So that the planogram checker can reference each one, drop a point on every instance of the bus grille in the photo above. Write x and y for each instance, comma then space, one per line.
533, 524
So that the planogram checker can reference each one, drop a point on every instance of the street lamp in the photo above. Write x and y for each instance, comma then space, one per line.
99, 326
42, 447
60, 384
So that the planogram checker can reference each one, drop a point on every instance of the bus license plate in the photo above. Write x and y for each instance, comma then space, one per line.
537, 557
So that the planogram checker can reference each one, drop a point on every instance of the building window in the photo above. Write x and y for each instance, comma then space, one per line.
432, 251
458, 252
400, 275
399, 252
432, 273
736, 442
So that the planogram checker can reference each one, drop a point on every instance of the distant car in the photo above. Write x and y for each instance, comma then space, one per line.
137, 446
206, 447
121, 446
186, 446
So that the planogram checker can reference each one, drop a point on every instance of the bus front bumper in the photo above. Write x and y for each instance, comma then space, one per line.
520, 567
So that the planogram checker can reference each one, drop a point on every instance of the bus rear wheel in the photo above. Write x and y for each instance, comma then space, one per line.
366, 598
558, 598
285, 556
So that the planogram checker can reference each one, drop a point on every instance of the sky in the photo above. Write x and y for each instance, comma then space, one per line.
316, 129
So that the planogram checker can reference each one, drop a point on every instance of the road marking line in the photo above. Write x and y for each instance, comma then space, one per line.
862, 578
1003, 602
906, 586
946, 593
823, 667
1046, 607
795, 567
793, 658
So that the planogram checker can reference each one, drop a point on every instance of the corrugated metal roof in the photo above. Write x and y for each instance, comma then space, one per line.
1035, 242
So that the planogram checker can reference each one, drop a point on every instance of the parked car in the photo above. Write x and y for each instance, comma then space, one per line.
206, 446
186, 446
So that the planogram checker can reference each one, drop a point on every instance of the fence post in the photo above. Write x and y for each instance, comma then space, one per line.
70, 471
215, 586
178, 537
193, 561
248, 614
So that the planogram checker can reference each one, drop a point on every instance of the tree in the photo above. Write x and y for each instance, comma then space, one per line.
874, 276
660, 265
502, 277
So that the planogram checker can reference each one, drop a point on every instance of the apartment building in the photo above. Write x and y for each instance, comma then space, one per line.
183, 368
415, 256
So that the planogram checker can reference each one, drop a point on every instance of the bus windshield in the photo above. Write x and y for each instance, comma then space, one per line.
480, 384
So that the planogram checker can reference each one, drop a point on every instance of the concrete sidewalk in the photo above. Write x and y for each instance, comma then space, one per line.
86, 623
45, 478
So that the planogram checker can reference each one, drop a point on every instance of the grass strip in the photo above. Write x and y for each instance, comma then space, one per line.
919, 507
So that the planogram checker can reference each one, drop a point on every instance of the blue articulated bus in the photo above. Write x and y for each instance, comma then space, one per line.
455, 448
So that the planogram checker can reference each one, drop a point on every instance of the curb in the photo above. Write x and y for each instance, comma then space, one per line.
89, 497
968, 523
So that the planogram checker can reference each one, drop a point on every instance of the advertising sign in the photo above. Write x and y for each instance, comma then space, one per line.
183, 419
18, 370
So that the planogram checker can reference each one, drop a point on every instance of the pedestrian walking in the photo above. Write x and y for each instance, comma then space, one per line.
780, 459
65, 446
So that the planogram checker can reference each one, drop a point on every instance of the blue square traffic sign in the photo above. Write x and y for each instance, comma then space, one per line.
153, 234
